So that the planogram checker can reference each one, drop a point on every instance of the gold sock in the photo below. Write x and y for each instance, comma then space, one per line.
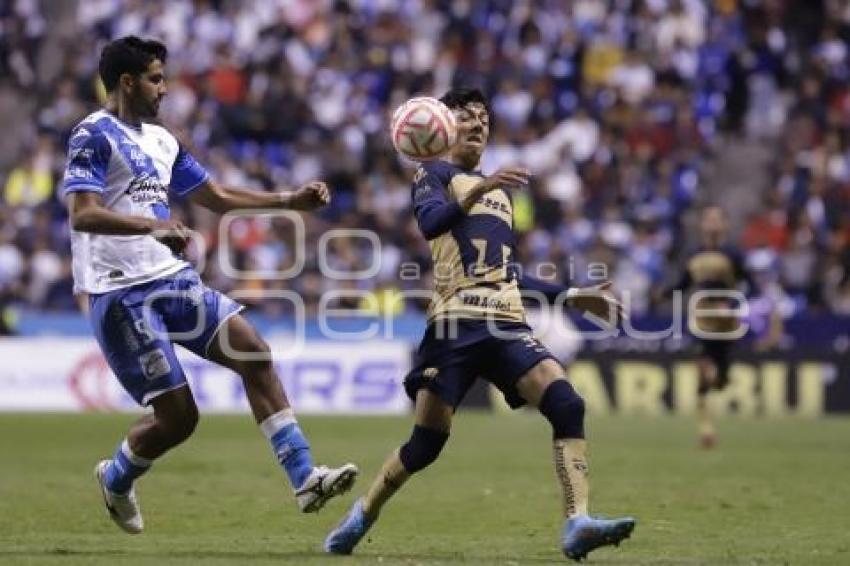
391, 477
571, 469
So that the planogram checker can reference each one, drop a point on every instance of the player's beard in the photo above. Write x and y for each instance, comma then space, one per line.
148, 107
153, 107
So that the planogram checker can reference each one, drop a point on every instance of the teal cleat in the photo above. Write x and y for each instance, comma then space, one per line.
348, 533
583, 534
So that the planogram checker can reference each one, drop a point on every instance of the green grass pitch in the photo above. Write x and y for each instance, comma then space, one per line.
773, 492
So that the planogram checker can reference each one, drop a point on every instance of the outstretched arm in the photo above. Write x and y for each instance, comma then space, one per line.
552, 291
222, 199
596, 300
190, 179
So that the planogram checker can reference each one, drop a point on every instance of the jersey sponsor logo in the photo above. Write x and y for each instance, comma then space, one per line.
419, 175
138, 156
485, 302
146, 189
75, 172
494, 204
154, 364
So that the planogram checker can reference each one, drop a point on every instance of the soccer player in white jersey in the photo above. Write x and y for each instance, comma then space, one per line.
120, 172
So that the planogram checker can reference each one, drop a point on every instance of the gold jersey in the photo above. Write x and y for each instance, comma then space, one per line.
473, 253
713, 269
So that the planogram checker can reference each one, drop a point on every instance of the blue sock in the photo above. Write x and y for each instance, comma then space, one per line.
289, 445
124, 468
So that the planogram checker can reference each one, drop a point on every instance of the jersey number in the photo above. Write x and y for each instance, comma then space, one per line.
481, 268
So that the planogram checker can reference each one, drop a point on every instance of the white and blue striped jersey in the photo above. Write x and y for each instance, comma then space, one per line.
133, 169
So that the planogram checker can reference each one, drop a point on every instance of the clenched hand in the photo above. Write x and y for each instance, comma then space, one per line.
311, 196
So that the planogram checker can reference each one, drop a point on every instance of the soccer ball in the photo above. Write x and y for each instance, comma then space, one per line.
423, 128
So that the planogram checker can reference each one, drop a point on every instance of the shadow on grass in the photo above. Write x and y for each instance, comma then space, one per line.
299, 557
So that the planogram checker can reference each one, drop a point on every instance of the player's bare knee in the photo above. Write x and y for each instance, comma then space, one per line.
534, 384
564, 408
178, 427
422, 449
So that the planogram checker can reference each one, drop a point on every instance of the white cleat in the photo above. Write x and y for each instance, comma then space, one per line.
324, 483
123, 508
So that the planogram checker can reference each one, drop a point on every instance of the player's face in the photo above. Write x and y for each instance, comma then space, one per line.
473, 129
149, 90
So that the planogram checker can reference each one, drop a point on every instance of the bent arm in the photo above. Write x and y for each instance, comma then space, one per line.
436, 217
217, 198
87, 214
436, 213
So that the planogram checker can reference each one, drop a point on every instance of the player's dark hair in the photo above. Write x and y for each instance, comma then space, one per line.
128, 55
460, 97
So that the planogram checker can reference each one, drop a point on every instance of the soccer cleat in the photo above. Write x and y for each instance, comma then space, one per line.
350, 530
123, 508
322, 484
583, 534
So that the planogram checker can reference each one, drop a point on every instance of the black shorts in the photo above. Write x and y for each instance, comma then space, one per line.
447, 363
718, 351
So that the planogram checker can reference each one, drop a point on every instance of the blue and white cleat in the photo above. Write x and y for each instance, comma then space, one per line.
583, 534
348, 533
123, 508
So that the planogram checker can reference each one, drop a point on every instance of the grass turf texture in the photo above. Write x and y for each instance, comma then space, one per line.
773, 492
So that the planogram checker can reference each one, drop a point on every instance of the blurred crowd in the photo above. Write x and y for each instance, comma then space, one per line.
618, 107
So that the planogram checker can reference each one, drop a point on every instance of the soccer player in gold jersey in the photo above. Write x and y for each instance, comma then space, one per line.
476, 328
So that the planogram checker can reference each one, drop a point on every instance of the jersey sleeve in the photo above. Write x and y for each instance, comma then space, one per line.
552, 291
186, 173
88, 161
435, 212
